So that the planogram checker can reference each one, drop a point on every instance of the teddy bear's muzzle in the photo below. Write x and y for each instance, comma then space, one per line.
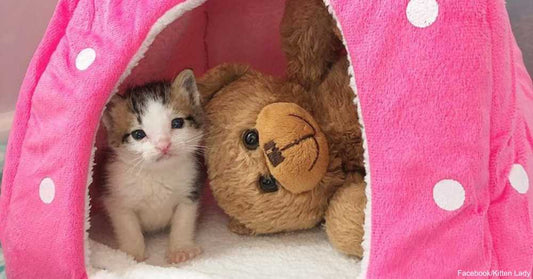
295, 148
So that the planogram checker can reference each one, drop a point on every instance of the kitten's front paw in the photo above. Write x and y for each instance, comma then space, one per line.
182, 254
136, 252
139, 258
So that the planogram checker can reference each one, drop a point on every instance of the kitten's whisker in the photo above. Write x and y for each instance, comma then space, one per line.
193, 139
140, 169
189, 147
136, 163
197, 146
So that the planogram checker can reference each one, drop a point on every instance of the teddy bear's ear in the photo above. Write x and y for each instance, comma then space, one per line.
219, 77
310, 40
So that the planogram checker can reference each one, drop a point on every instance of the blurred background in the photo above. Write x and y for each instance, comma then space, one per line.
22, 25
23, 22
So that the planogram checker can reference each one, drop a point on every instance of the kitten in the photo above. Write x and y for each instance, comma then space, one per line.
154, 178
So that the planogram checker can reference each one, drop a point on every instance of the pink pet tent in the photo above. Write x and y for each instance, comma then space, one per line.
446, 106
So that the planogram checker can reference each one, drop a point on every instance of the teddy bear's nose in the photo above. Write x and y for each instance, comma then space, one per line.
294, 146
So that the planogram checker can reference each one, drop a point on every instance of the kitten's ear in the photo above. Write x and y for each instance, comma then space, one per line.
185, 85
107, 118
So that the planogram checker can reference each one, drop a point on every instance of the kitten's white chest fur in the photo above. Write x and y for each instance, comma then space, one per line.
152, 194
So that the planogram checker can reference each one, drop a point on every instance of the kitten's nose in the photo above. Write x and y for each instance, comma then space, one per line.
163, 145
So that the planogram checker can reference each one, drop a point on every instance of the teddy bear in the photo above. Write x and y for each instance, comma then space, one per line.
286, 154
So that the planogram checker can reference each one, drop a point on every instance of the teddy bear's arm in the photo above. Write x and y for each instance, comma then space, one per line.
345, 217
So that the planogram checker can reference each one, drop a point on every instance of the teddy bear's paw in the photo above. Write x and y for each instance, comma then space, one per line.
345, 217
183, 254
238, 228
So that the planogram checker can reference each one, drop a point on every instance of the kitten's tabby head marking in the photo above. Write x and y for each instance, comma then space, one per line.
156, 122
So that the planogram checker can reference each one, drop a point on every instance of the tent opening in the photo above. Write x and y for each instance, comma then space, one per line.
200, 34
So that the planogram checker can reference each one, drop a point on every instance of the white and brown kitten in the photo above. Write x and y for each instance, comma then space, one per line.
154, 178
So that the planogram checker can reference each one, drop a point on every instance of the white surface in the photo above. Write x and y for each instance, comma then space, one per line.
519, 179
85, 58
47, 190
449, 194
305, 254
422, 13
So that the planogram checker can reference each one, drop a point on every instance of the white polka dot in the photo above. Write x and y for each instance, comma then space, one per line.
519, 179
85, 58
422, 13
47, 190
449, 194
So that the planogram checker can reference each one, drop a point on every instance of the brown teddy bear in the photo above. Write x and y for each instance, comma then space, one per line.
285, 154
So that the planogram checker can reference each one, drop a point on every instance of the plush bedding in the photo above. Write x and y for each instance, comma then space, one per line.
226, 255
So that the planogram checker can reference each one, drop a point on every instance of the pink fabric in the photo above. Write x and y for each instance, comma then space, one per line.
449, 101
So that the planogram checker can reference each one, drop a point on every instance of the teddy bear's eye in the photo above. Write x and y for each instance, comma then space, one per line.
268, 184
250, 139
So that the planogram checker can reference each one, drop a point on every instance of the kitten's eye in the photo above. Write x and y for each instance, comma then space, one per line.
138, 134
251, 139
177, 123
268, 184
